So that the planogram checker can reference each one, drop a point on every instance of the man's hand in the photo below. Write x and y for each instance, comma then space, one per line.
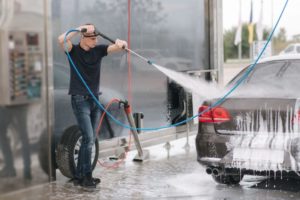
121, 44
117, 46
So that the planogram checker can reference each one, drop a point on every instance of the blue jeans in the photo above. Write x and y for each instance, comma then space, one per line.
87, 114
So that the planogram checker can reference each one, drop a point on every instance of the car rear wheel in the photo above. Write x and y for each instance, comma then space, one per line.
228, 179
68, 150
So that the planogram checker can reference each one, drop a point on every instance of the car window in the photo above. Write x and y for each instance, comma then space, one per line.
264, 72
275, 78
283, 74
292, 73
289, 49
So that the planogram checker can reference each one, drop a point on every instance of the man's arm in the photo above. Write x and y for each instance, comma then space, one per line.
118, 46
61, 38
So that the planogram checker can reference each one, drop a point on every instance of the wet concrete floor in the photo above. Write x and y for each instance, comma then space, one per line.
172, 174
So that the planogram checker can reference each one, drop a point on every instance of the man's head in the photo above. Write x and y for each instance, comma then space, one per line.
89, 39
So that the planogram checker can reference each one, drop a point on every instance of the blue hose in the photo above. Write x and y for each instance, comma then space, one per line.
221, 100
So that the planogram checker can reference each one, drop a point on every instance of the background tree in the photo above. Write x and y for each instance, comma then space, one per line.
231, 50
279, 41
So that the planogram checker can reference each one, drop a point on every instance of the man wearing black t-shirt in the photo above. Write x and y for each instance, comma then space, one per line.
87, 56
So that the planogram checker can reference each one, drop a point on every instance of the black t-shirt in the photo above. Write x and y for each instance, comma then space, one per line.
88, 64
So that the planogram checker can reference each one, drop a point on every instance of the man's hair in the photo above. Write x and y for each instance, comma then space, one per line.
89, 24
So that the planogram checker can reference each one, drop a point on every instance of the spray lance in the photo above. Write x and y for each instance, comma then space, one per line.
98, 33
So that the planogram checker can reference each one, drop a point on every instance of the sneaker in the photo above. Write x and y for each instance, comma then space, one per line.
96, 180
88, 182
76, 181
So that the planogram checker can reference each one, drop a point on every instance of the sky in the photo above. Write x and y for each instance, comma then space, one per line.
288, 20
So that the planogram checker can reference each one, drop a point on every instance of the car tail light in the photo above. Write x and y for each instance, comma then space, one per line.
214, 115
205, 116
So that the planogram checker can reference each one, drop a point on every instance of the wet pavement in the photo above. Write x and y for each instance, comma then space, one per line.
172, 174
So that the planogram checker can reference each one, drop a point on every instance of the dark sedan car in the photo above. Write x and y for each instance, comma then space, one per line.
256, 129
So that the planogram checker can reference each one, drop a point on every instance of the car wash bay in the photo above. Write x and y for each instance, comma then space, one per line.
171, 170
35, 105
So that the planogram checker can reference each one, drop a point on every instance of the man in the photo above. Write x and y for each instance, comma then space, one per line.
87, 56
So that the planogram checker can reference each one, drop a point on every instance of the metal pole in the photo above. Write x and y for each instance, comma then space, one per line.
250, 51
142, 155
52, 174
272, 12
187, 145
240, 50
135, 134
138, 120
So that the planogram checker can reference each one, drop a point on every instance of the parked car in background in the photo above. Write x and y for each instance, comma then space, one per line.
291, 49
256, 129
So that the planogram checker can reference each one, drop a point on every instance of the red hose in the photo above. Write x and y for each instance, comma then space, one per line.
128, 54
116, 164
103, 114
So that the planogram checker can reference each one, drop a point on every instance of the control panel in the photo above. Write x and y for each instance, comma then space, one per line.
21, 67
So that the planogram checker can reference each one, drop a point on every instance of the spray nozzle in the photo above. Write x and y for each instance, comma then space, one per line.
125, 103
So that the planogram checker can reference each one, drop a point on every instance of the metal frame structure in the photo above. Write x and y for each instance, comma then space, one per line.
113, 146
108, 148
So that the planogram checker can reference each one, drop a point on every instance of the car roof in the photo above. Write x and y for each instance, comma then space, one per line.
280, 57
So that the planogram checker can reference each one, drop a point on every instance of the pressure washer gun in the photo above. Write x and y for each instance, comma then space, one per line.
98, 33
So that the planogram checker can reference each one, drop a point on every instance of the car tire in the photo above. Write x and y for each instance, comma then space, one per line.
43, 153
228, 179
68, 149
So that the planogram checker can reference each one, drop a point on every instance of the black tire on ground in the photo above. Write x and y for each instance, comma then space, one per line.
68, 149
43, 153
228, 179
43, 150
